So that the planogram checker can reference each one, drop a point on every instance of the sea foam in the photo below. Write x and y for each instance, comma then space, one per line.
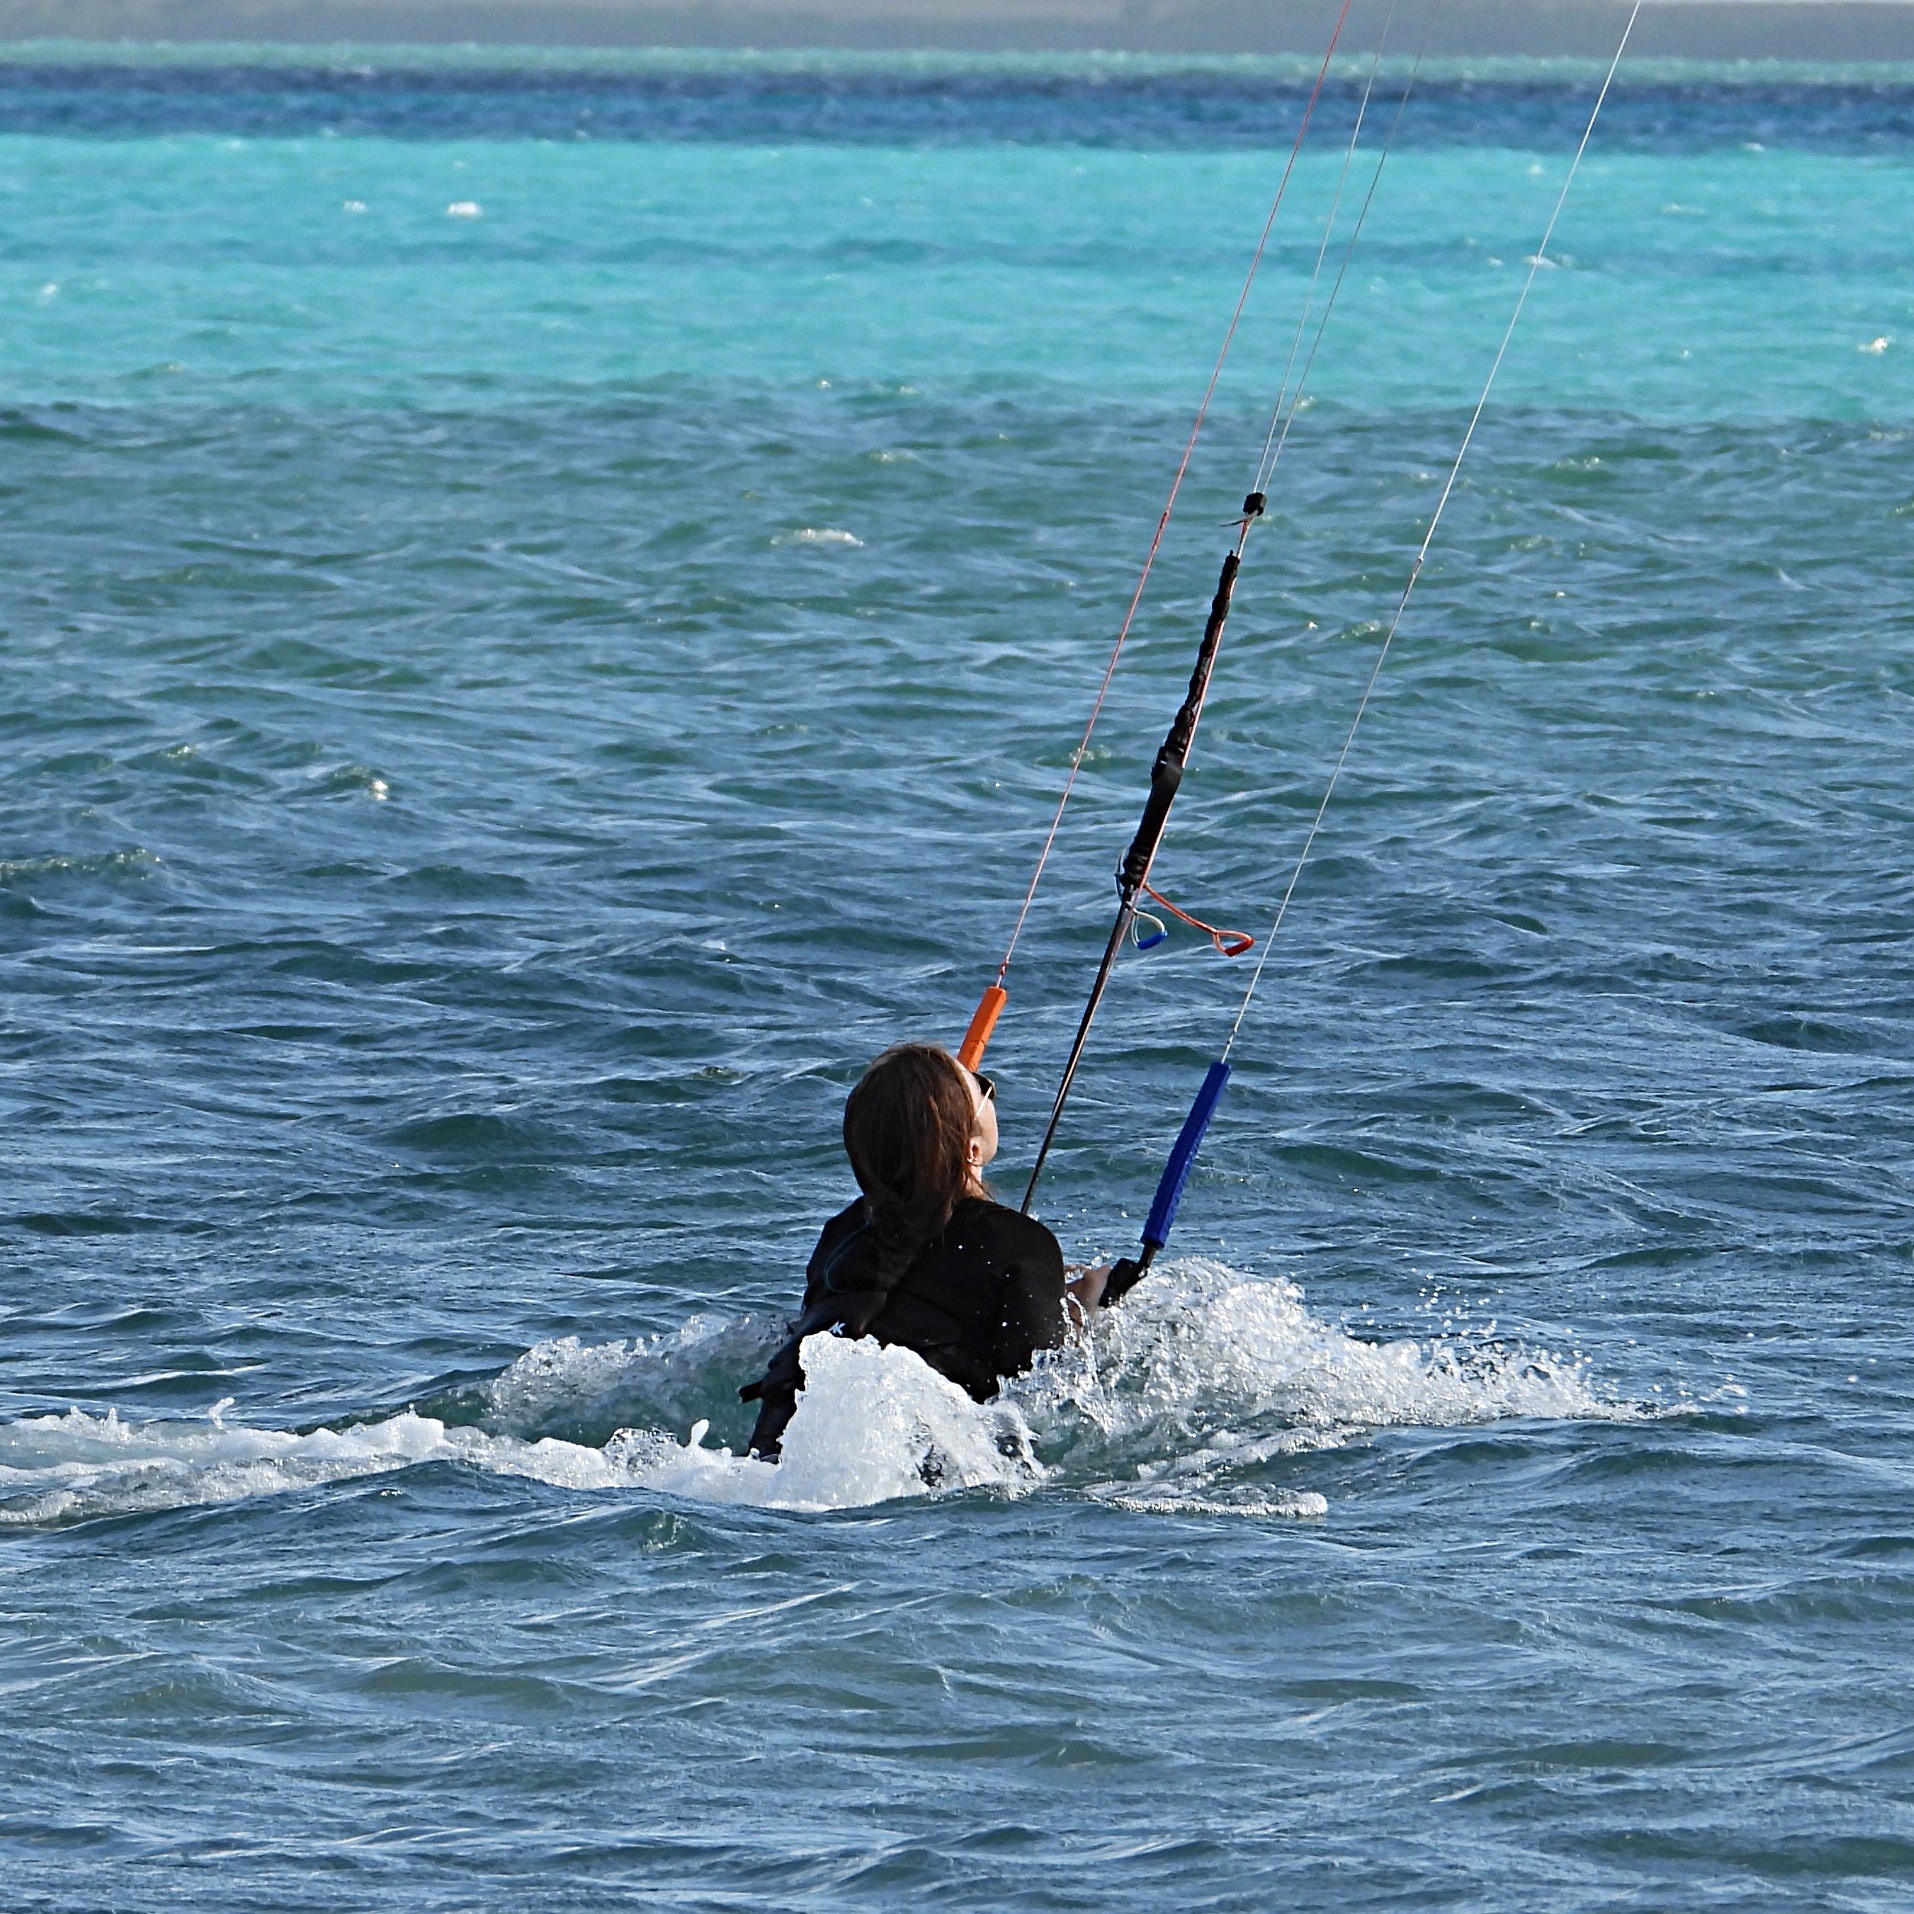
1184, 1400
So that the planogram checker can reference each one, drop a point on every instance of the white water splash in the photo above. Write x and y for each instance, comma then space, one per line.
55, 1468
872, 1425
819, 535
1206, 1374
875, 1424
1201, 1341
1178, 1402
553, 1377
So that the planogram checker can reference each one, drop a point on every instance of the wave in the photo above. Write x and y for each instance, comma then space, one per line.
1206, 1385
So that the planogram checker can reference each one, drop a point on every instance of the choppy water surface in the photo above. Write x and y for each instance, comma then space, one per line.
530, 657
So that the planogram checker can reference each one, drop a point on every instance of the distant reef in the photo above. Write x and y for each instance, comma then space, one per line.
1816, 30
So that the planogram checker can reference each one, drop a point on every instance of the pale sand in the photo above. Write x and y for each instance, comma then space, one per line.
1746, 29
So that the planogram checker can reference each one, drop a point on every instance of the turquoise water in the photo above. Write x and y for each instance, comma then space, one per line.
506, 710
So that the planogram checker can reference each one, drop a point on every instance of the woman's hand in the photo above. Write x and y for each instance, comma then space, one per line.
1085, 1287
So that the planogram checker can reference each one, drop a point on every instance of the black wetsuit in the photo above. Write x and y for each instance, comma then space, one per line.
977, 1304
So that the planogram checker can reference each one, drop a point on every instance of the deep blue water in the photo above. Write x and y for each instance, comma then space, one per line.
508, 709
903, 100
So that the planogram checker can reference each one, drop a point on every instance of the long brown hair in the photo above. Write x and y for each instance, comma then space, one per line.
907, 1131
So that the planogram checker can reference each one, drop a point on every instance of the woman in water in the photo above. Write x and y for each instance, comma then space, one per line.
924, 1257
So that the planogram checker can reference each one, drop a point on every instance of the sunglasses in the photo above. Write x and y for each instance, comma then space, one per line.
986, 1085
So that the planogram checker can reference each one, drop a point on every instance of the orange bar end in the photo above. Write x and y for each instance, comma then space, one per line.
977, 1038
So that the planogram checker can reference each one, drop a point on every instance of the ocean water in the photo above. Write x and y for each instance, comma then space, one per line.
546, 604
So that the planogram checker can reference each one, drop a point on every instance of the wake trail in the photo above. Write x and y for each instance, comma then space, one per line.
1206, 1383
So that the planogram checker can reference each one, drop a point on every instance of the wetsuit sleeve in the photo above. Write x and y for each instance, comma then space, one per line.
1032, 1301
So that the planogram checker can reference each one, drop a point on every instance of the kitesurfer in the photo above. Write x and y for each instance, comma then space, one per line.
924, 1258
